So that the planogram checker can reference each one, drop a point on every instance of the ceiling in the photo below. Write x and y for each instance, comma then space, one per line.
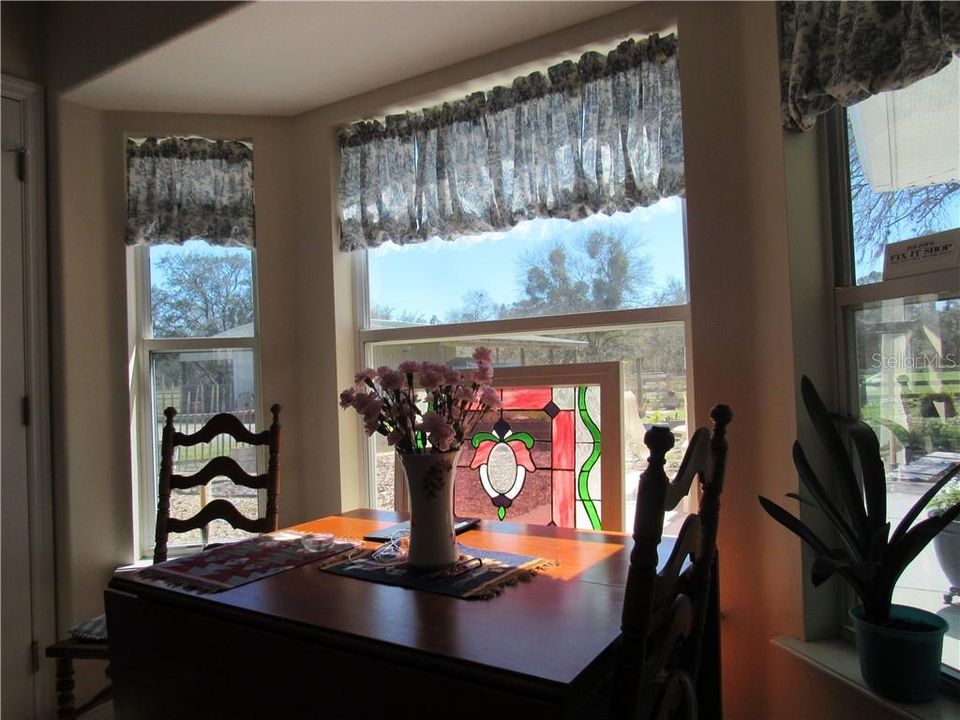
283, 58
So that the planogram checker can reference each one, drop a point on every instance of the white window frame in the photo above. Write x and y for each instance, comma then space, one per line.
850, 297
576, 322
145, 443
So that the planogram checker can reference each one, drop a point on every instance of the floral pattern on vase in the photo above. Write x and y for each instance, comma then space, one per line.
430, 479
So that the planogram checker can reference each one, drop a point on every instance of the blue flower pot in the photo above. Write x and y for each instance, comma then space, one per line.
900, 664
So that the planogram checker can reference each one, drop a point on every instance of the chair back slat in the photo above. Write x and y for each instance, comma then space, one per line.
220, 466
665, 612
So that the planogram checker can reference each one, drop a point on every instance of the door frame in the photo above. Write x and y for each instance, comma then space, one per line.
36, 348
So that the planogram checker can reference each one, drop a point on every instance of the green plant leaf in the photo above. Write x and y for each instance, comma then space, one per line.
920, 504
902, 553
857, 545
849, 487
795, 526
872, 473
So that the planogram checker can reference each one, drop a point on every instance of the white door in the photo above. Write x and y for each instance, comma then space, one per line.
26, 572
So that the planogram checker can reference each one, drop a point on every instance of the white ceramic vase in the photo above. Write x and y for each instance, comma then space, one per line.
430, 478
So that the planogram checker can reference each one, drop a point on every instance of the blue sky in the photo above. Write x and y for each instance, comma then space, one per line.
431, 278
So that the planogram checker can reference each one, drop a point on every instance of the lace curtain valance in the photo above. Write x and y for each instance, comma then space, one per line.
599, 135
843, 52
183, 188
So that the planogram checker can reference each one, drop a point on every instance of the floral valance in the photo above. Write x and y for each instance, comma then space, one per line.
183, 188
843, 52
598, 135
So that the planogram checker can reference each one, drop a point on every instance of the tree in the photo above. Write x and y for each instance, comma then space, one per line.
201, 294
876, 216
601, 272
477, 306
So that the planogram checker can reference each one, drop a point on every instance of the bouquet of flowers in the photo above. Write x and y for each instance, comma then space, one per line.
389, 400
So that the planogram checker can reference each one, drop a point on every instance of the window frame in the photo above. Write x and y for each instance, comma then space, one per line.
849, 297
576, 322
144, 439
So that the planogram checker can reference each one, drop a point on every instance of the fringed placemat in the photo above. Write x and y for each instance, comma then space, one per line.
234, 564
479, 574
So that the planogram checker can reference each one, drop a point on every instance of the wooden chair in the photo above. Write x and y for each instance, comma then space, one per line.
66, 651
670, 618
220, 466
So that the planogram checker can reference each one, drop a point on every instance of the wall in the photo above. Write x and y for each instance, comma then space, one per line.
22, 41
749, 272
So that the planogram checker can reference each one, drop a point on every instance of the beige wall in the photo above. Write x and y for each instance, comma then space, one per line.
22, 40
754, 327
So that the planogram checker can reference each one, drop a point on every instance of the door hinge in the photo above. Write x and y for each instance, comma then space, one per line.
35, 656
25, 409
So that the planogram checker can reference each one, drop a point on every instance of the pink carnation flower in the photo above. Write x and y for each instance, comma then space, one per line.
442, 438
430, 379
346, 397
483, 375
395, 436
432, 422
361, 378
391, 379
409, 366
490, 397
464, 392
482, 356
451, 376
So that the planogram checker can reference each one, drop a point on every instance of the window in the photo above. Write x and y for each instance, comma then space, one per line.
543, 220
197, 353
192, 289
902, 368
552, 299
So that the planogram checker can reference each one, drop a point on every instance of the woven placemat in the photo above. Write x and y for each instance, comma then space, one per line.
480, 573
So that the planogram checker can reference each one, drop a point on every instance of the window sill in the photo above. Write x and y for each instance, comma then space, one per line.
838, 659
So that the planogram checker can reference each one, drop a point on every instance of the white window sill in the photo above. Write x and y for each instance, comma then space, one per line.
838, 659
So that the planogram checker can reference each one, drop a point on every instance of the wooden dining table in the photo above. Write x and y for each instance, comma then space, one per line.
309, 643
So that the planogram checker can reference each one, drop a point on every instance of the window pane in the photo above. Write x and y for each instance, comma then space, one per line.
908, 370
904, 157
655, 383
537, 460
199, 385
540, 267
199, 290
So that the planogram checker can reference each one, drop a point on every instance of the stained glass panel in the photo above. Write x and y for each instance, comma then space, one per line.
536, 460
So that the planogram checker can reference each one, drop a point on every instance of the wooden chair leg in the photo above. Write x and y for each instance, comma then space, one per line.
65, 685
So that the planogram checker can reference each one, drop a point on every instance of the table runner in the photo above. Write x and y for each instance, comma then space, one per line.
466, 580
234, 564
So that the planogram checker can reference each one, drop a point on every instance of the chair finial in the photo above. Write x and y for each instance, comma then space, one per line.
170, 413
721, 415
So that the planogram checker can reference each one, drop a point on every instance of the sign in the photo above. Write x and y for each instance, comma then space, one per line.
921, 255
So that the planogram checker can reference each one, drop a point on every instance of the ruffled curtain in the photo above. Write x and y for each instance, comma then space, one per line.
599, 135
843, 52
183, 188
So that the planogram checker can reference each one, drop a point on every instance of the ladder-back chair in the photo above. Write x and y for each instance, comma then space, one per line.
90, 640
670, 618
219, 466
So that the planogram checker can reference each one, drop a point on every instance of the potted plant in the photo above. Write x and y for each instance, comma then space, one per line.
899, 646
947, 543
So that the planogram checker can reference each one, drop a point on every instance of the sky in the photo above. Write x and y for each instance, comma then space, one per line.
431, 278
